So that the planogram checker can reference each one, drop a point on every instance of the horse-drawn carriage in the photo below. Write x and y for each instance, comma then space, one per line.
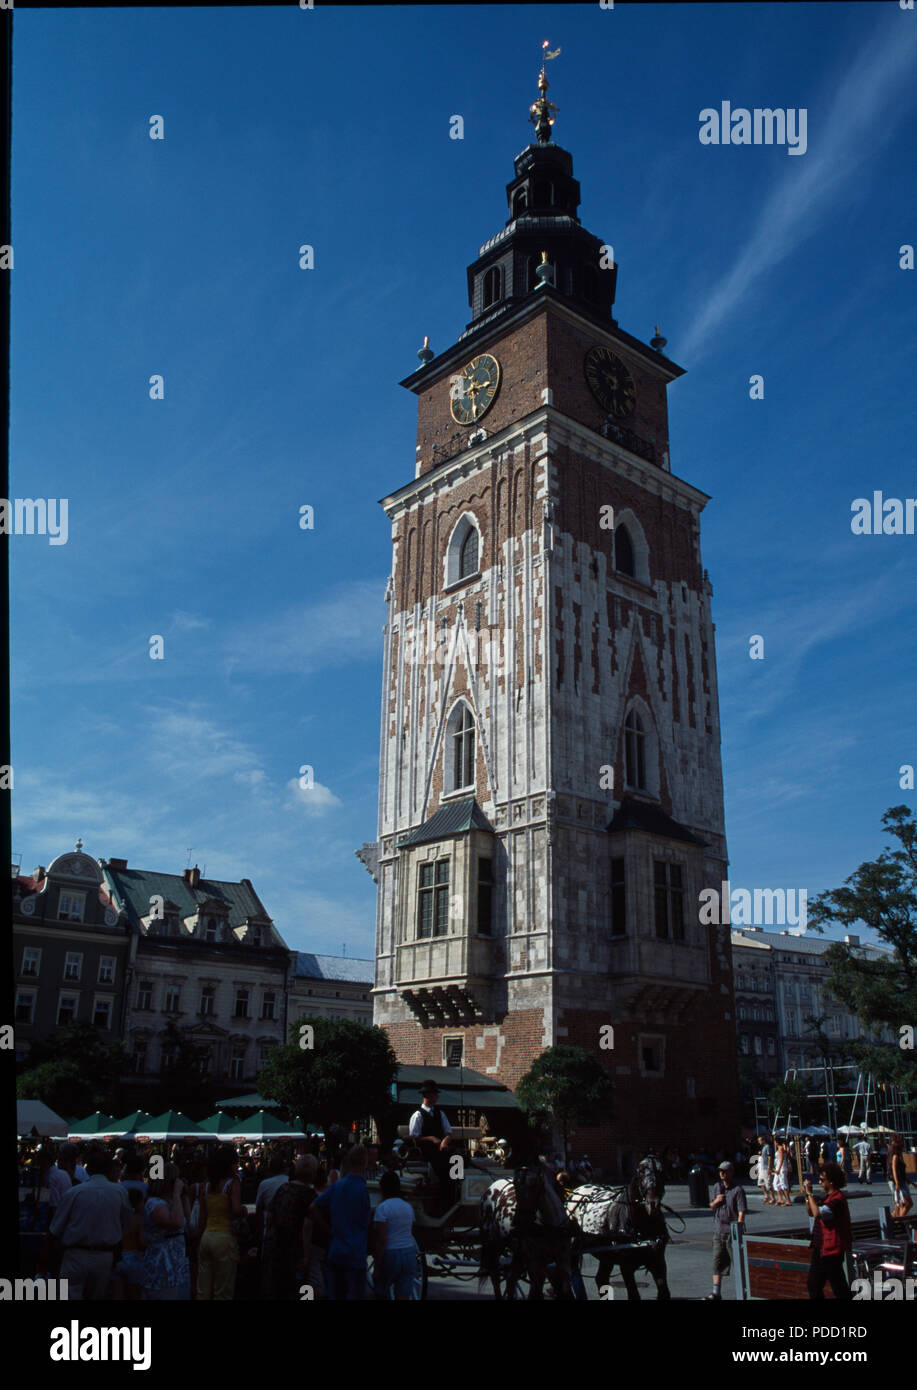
522, 1232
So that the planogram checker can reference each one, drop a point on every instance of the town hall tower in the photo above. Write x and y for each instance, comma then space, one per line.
550, 792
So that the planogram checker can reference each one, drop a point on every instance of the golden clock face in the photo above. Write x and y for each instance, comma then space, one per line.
610, 381
474, 389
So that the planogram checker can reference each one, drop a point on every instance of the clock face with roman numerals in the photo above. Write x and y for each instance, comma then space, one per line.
610, 382
474, 389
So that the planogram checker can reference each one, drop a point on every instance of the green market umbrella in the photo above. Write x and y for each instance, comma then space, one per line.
92, 1126
135, 1123
219, 1124
171, 1124
266, 1126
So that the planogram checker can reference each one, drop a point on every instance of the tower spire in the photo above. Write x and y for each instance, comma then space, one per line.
543, 113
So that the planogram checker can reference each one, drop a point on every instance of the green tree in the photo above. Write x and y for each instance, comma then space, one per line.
346, 1075
882, 895
566, 1085
789, 1098
76, 1071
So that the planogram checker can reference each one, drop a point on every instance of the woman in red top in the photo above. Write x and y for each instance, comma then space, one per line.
831, 1238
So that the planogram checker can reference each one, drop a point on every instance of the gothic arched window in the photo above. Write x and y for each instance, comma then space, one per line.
624, 553
460, 749
468, 555
463, 553
635, 751
491, 286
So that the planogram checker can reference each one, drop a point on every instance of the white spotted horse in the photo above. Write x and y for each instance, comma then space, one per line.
631, 1218
525, 1216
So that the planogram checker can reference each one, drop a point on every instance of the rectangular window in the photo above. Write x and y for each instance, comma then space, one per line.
73, 965
669, 901
651, 1052
173, 999
241, 1008
269, 1005
25, 1006
145, 995
485, 896
208, 1000
70, 907
618, 898
433, 900
757, 1042
139, 1058
66, 1009
31, 961
106, 970
237, 1064
453, 1051
101, 1013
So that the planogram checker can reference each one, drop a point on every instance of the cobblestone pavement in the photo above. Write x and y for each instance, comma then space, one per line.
689, 1256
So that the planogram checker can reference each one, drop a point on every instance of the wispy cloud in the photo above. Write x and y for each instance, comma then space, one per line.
870, 101
343, 626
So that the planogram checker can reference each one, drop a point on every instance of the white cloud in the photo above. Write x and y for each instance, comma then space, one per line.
869, 102
314, 800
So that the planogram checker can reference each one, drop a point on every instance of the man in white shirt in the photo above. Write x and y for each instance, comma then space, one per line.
863, 1152
432, 1133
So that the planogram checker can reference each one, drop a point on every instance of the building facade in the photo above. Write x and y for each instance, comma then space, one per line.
206, 964
330, 987
71, 951
785, 975
550, 799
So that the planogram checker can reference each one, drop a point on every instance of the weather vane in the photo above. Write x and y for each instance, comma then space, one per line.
543, 113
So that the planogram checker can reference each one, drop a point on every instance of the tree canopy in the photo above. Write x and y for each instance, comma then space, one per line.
568, 1085
76, 1071
345, 1076
882, 895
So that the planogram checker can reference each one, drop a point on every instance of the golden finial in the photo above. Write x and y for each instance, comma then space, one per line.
543, 113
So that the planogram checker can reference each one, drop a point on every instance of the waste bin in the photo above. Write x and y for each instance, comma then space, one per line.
698, 1191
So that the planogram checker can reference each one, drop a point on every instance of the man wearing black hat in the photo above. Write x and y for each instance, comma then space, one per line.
432, 1133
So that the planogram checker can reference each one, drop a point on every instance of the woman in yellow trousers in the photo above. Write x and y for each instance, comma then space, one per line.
219, 1250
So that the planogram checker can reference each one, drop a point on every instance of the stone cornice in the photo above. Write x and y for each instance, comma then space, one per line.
562, 430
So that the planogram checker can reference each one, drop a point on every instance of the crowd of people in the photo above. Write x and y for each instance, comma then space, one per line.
294, 1220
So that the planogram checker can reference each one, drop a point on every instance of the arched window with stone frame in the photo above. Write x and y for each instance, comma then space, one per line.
635, 750
630, 554
463, 552
460, 749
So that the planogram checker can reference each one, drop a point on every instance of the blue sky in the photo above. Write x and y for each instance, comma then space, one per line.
180, 257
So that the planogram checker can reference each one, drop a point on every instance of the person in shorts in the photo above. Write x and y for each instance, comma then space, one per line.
781, 1173
728, 1206
897, 1177
766, 1172
395, 1246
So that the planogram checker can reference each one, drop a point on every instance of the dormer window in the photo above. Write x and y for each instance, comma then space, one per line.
492, 286
211, 929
